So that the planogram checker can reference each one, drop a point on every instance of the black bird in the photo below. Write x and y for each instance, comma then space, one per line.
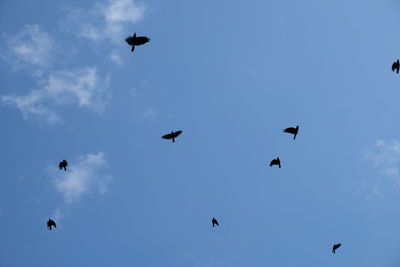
276, 161
292, 130
335, 247
51, 223
63, 164
214, 222
136, 40
396, 66
172, 135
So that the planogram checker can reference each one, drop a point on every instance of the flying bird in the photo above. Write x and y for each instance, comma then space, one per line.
63, 164
172, 135
214, 222
335, 247
396, 66
292, 130
136, 40
276, 161
51, 223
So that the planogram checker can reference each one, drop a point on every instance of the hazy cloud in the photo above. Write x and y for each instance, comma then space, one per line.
106, 22
385, 159
149, 114
83, 88
31, 47
116, 57
83, 176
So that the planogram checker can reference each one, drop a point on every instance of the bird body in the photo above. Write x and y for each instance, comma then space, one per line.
51, 223
276, 161
214, 222
396, 66
136, 40
172, 135
63, 164
335, 247
292, 130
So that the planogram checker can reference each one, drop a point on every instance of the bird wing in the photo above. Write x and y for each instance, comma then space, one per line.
129, 40
393, 66
289, 130
272, 162
177, 133
60, 165
66, 163
142, 40
54, 224
167, 136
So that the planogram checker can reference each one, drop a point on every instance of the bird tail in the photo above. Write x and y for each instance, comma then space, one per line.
173, 139
294, 137
133, 48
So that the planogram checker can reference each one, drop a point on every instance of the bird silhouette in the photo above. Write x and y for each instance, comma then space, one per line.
396, 66
51, 223
214, 222
172, 135
63, 164
335, 247
276, 161
136, 40
292, 130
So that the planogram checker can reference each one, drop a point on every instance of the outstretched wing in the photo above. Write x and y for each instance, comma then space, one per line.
167, 136
141, 40
129, 40
54, 224
272, 163
289, 130
60, 165
177, 133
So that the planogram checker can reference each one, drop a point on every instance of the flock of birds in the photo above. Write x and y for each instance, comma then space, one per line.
140, 40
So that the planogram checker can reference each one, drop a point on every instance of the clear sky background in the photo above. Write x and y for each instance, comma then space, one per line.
231, 75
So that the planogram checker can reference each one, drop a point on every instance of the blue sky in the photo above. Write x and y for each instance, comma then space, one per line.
231, 75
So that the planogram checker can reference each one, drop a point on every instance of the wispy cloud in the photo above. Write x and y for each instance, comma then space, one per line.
116, 57
83, 88
385, 159
149, 114
107, 22
32, 47
84, 176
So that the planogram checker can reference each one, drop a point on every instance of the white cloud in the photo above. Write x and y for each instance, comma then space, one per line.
116, 57
62, 88
149, 114
83, 176
106, 22
386, 158
31, 47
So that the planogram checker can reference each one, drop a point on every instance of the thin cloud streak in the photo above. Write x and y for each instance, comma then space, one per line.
84, 176
385, 159
106, 22
32, 47
83, 88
